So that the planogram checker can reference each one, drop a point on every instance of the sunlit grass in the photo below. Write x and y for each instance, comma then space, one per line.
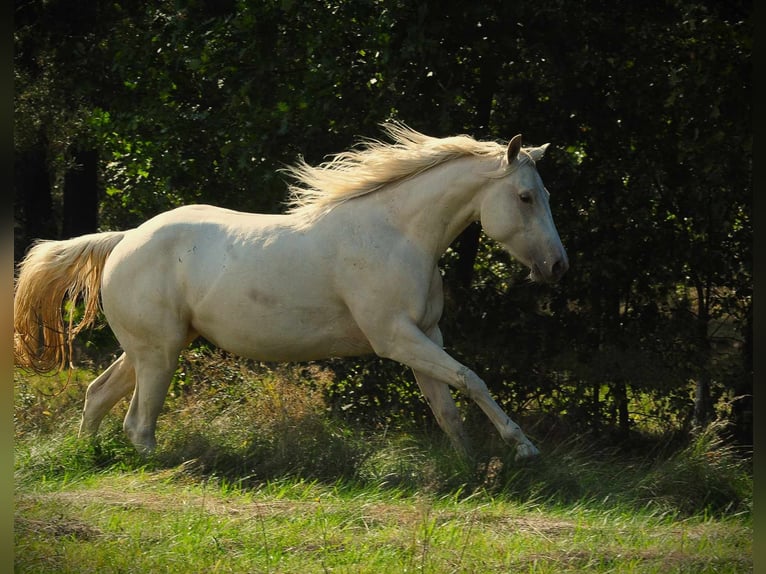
156, 522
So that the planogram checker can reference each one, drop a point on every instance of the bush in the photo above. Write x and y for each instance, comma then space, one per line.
708, 473
250, 421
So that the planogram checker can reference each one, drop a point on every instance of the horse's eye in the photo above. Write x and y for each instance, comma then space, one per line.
525, 197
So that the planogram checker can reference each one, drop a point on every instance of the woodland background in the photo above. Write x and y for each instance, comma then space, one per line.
125, 109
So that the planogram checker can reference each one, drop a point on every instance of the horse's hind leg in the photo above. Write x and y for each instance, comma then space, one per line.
442, 404
445, 410
114, 383
154, 372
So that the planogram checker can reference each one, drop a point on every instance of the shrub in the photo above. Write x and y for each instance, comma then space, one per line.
246, 419
708, 474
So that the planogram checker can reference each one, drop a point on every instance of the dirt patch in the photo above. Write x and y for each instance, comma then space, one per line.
159, 502
58, 527
371, 514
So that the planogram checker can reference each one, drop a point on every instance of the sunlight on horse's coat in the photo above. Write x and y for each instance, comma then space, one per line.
352, 268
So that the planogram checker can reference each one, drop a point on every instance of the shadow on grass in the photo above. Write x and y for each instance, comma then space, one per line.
704, 476
249, 426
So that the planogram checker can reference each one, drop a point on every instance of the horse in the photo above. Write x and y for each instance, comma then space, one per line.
351, 267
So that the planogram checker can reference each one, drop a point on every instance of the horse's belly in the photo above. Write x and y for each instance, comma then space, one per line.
285, 334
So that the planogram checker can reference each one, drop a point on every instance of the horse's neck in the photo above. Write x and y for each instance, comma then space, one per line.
435, 206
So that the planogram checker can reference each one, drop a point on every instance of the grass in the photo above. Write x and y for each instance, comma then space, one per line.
244, 481
148, 522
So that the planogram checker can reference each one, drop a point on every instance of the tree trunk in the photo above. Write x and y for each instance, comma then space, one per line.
81, 195
467, 247
596, 418
742, 408
620, 395
467, 244
34, 204
703, 407
702, 402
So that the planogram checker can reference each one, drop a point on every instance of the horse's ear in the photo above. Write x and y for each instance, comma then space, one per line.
514, 147
537, 153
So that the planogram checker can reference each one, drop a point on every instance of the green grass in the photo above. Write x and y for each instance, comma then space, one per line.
157, 522
244, 481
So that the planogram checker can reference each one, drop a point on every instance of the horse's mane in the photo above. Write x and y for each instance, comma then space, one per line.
372, 164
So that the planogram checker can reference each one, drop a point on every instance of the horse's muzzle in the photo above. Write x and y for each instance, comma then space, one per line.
550, 273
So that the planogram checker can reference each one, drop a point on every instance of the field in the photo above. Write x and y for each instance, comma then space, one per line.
246, 481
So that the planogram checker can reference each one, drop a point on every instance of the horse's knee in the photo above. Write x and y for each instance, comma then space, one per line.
526, 451
510, 432
471, 384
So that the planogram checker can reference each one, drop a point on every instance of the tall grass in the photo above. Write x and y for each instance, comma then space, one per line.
247, 424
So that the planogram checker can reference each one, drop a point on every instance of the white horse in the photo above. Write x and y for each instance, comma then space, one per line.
350, 269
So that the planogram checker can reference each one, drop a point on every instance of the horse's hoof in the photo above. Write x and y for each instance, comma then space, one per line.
144, 445
526, 451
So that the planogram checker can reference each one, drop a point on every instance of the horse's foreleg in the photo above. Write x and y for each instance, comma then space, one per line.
114, 383
413, 348
511, 432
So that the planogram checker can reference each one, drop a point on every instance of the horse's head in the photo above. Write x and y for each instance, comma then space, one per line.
515, 212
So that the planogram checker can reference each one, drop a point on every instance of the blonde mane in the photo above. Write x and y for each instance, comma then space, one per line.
373, 164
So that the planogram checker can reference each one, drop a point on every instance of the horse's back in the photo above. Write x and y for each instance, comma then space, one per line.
253, 284
192, 235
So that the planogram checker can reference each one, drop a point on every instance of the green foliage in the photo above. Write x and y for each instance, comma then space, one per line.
43, 403
402, 501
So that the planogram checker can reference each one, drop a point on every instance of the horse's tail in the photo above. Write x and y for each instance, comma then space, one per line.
51, 275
